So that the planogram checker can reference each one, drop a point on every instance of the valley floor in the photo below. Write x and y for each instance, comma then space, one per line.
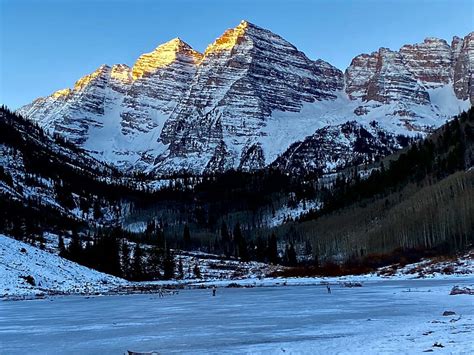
383, 316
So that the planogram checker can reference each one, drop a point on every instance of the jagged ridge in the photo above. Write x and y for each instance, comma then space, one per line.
250, 96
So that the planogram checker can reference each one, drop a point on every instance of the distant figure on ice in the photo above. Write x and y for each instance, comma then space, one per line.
329, 288
214, 290
160, 293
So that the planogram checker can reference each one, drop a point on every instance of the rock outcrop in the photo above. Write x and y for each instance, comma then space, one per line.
463, 76
407, 76
383, 77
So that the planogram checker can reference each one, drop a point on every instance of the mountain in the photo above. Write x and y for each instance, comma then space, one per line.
416, 75
250, 96
47, 183
117, 113
226, 117
417, 200
334, 148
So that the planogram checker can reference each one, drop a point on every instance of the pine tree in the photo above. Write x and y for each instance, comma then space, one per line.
186, 237
75, 248
308, 248
88, 255
240, 243
225, 239
291, 255
168, 265
197, 271
61, 246
260, 249
272, 252
111, 255
180, 269
126, 265
155, 261
137, 265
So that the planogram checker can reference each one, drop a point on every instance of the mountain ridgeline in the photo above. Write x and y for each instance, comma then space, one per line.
252, 95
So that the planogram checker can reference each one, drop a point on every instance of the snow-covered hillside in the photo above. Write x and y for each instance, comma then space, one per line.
38, 171
250, 96
440, 267
26, 270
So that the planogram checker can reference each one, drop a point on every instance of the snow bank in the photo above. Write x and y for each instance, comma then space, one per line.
26, 270
438, 267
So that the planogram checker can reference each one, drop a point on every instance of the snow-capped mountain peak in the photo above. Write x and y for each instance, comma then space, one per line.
249, 97
61, 93
163, 56
99, 74
245, 76
228, 39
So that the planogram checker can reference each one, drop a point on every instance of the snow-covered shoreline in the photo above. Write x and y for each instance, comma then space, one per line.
27, 272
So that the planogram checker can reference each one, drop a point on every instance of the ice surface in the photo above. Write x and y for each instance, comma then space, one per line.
380, 317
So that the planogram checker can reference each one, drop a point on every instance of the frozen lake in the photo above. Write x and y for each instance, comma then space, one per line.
382, 316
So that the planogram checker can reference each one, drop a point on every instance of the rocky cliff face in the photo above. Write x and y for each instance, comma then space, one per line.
117, 112
243, 77
463, 76
72, 112
159, 79
407, 76
383, 77
251, 95
430, 62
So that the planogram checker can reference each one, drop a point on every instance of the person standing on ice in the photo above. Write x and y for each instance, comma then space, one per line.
214, 290
329, 288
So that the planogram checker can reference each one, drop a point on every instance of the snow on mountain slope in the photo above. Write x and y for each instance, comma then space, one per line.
333, 148
117, 113
26, 270
48, 174
249, 97
244, 76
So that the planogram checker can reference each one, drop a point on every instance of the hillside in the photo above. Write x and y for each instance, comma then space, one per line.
422, 200
47, 182
26, 270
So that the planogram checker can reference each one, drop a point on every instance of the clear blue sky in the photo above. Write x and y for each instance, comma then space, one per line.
46, 45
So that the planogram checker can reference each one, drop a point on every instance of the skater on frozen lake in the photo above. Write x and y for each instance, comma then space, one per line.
214, 290
328, 288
